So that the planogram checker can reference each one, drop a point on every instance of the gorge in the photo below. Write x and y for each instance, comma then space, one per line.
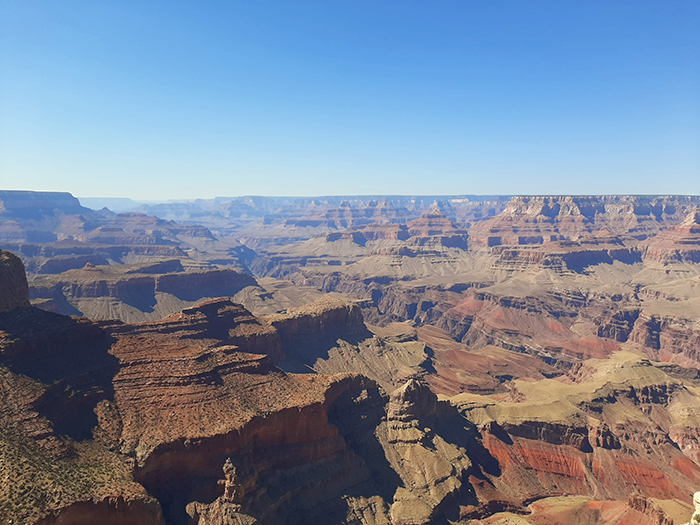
391, 360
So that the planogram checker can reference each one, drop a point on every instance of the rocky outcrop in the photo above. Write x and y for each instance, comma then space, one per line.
648, 507
678, 244
14, 292
695, 518
255, 421
668, 338
218, 321
432, 470
308, 331
434, 227
133, 292
378, 231
579, 441
619, 325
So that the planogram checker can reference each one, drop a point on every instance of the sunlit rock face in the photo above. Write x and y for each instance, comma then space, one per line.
374, 374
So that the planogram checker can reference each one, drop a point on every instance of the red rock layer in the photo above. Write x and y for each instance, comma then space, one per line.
539, 327
679, 243
215, 322
459, 369
531, 468
541, 220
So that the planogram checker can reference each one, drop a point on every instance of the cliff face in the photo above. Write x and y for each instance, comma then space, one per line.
329, 336
538, 220
572, 233
204, 417
292, 464
14, 292
197, 395
436, 228
53, 233
432, 469
308, 331
679, 244
30, 203
218, 322
133, 293
184, 397
608, 434
326, 317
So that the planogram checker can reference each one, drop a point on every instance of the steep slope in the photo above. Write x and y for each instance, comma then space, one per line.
110, 422
568, 394
137, 292
13, 283
608, 429
678, 244
329, 336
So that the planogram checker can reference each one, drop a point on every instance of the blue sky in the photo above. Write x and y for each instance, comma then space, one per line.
185, 99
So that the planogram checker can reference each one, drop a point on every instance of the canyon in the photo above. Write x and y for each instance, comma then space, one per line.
350, 360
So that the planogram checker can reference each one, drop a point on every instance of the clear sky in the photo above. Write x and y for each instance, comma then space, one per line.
184, 99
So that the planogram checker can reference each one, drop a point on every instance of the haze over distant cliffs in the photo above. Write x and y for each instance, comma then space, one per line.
389, 360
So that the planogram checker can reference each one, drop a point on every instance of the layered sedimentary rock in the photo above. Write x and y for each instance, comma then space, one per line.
572, 233
590, 511
678, 244
329, 336
435, 226
599, 435
14, 292
567, 374
258, 217
345, 215
433, 471
134, 292
184, 397
488, 370
373, 232
53, 233
538, 220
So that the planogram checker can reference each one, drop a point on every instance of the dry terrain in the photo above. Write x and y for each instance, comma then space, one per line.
533, 360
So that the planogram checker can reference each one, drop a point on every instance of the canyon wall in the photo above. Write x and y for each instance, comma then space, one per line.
13, 283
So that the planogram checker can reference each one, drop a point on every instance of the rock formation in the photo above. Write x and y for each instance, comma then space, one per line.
432, 470
435, 226
695, 518
137, 292
14, 292
53, 233
678, 244
547, 371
